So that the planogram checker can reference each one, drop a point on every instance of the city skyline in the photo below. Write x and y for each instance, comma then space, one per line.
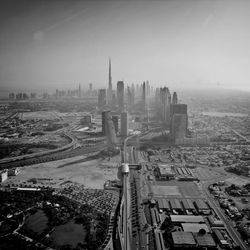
184, 44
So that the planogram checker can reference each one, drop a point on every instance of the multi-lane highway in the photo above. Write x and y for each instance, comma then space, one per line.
127, 225
53, 156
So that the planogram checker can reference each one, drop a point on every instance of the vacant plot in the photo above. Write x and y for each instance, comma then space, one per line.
206, 174
176, 188
92, 174
43, 115
238, 181
166, 190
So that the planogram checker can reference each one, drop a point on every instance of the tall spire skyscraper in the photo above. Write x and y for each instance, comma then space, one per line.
110, 85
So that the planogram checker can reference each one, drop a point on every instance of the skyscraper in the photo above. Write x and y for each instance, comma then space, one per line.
180, 109
179, 121
165, 102
101, 98
115, 119
175, 99
124, 123
79, 91
144, 102
179, 126
109, 94
130, 98
108, 129
120, 95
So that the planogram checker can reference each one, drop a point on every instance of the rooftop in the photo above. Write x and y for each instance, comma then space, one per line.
183, 238
194, 227
187, 218
204, 240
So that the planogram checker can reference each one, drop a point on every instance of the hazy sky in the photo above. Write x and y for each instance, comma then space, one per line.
57, 44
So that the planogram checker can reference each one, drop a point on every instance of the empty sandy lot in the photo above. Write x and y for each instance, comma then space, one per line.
92, 174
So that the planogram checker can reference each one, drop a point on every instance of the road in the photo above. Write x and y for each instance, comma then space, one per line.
134, 218
34, 155
127, 225
240, 135
234, 235
126, 197
53, 156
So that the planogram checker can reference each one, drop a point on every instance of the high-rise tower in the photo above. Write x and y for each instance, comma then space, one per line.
110, 85
120, 95
175, 98
79, 91
101, 98
165, 100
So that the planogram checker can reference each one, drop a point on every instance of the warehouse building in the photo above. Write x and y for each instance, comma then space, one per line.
205, 240
164, 172
188, 205
186, 219
202, 207
183, 239
194, 227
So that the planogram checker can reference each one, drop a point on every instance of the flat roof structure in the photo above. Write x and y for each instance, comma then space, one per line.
187, 218
165, 170
188, 204
194, 227
175, 204
166, 204
201, 204
28, 189
183, 239
204, 240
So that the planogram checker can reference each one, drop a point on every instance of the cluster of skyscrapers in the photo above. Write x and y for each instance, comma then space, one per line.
172, 115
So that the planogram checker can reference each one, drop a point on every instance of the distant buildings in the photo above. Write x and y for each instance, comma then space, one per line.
11, 96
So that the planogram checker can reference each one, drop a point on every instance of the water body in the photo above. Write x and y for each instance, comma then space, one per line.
37, 222
223, 114
69, 234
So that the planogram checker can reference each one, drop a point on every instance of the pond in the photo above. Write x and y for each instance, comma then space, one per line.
37, 222
68, 234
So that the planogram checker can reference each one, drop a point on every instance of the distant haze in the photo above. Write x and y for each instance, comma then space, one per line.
59, 44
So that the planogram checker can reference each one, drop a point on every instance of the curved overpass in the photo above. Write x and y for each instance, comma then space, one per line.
46, 152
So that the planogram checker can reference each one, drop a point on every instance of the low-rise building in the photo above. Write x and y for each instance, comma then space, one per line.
164, 172
194, 227
205, 240
183, 239
13, 171
3, 176
186, 219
